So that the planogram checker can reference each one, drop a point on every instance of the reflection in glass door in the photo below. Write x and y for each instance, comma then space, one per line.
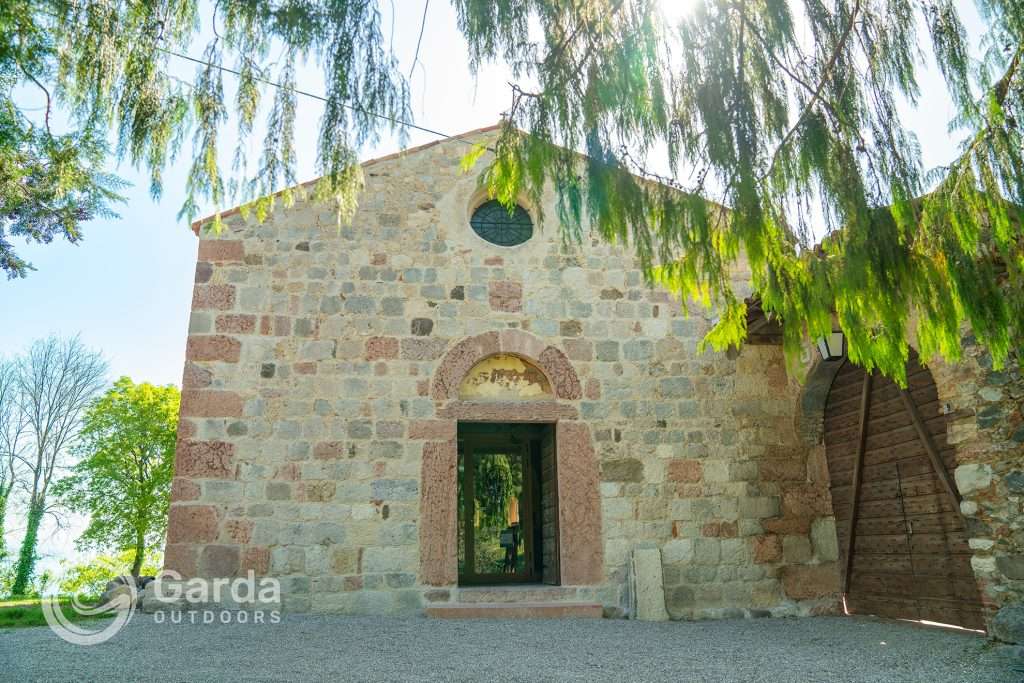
495, 494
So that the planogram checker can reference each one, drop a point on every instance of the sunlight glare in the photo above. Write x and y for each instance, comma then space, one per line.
675, 10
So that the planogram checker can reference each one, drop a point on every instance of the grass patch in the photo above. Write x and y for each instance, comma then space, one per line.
23, 613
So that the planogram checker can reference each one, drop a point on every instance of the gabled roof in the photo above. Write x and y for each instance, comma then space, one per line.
401, 153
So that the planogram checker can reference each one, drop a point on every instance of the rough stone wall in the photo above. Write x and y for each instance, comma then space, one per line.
988, 431
751, 519
306, 410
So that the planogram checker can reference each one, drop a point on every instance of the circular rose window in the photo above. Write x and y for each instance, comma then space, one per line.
494, 223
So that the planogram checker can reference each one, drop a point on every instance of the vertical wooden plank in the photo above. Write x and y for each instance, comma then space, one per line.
929, 446
912, 608
858, 467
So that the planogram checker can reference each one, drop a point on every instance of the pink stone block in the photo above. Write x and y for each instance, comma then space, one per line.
438, 519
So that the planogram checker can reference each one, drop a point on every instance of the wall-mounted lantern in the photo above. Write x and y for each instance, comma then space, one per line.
833, 346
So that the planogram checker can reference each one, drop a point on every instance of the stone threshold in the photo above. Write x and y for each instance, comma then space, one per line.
516, 610
524, 592
519, 601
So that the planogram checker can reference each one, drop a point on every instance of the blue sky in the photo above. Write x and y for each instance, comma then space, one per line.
127, 287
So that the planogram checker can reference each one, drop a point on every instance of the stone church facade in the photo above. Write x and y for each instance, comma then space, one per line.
330, 377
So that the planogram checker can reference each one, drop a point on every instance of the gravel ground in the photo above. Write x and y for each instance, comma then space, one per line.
364, 648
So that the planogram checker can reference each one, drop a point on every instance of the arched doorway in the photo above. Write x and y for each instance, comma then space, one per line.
511, 380
903, 544
508, 527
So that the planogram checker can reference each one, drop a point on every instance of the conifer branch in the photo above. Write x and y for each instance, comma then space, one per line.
826, 74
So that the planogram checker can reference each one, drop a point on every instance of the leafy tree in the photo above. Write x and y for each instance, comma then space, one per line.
123, 480
496, 481
783, 112
35, 589
50, 182
780, 120
56, 379
89, 579
107, 66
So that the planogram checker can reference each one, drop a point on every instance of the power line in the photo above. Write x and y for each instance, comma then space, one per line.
419, 41
321, 98
315, 96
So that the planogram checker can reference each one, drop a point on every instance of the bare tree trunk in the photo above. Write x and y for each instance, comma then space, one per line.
27, 557
54, 382
12, 430
4, 497
140, 552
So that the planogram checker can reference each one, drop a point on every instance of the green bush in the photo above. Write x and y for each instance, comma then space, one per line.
89, 579
36, 588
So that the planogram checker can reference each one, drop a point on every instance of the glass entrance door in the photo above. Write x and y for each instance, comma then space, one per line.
496, 493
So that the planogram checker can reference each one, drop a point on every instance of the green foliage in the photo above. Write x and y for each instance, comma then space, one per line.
123, 478
25, 613
53, 383
33, 590
50, 183
3, 517
786, 113
114, 66
25, 568
780, 120
89, 579
107, 68
496, 482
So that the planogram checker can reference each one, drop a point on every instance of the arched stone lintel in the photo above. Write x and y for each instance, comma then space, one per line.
461, 358
810, 413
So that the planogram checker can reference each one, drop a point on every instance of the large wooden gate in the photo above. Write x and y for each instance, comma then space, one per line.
903, 546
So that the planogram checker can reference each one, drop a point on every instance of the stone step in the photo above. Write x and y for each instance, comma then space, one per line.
519, 610
524, 593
